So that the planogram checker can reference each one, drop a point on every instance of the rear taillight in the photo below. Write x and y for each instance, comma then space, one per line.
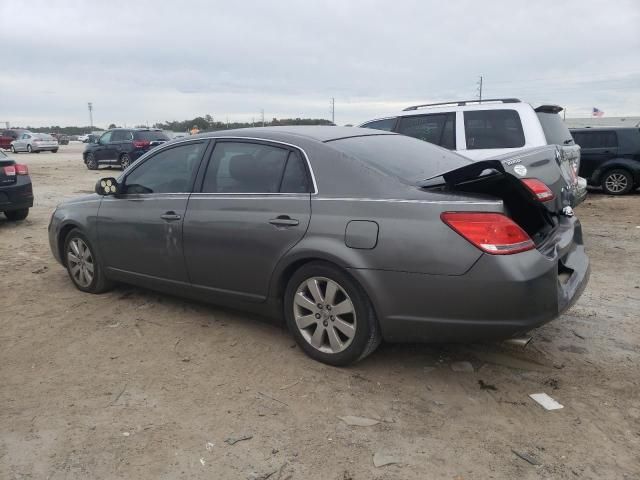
13, 170
492, 233
539, 189
141, 143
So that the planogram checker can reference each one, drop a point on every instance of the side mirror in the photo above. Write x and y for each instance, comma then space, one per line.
107, 186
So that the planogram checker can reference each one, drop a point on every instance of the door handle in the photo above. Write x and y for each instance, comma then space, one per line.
170, 216
284, 221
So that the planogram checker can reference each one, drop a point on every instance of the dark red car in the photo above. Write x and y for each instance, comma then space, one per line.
9, 135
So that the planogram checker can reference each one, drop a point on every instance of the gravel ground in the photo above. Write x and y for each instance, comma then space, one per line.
134, 384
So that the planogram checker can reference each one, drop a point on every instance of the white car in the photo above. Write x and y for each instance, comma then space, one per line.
487, 129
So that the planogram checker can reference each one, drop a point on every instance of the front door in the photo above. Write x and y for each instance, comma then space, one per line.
596, 147
140, 230
103, 150
254, 205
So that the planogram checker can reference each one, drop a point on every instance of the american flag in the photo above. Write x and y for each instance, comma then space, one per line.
597, 113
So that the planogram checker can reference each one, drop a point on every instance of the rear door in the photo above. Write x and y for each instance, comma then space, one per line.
140, 230
597, 146
254, 205
436, 128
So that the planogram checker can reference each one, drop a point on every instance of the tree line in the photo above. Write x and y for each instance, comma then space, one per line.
205, 123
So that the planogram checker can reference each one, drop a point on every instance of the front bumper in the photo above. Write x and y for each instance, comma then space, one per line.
499, 297
16, 196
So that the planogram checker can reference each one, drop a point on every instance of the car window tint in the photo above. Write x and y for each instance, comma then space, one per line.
168, 171
386, 124
493, 129
238, 167
151, 135
434, 128
596, 139
106, 138
118, 135
295, 178
555, 130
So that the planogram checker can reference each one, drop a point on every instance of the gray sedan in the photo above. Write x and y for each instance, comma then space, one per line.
352, 235
34, 142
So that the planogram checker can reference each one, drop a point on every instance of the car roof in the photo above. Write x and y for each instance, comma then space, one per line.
320, 133
600, 128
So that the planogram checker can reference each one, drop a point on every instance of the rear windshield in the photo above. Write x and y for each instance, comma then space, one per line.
493, 129
150, 135
43, 136
555, 131
407, 158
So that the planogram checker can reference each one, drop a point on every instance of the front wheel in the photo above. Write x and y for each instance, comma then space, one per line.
617, 182
54, 151
125, 161
17, 215
330, 315
83, 265
91, 162
29, 149
13, 149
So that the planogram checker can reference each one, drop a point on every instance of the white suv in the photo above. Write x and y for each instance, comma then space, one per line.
486, 129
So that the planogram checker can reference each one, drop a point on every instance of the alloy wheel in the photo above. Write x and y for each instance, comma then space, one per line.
616, 182
324, 314
29, 148
125, 161
80, 261
13, 149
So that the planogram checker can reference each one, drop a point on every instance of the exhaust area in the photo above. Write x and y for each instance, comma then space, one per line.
518, 342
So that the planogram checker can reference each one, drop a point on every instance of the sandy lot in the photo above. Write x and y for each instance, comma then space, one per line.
134, 384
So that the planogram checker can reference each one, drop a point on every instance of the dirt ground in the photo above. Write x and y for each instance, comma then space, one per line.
134, 384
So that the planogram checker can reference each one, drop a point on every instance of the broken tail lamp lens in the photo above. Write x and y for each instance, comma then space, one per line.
493, 233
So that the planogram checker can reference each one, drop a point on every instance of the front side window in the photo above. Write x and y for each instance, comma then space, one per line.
242, 167
437, 128
106, 138
169, 171
493, 129
385, 124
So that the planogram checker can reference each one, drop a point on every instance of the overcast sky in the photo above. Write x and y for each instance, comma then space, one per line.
149, 61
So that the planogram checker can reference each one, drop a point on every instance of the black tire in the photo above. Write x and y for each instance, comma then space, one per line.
29, 149
13, 149
99, 283
617, 182
91, 162
367, 335
54, 151
125, 161
17, 215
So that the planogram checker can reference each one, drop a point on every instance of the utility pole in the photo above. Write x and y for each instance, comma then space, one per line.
262, 115
333, 110
480, 89
90, 114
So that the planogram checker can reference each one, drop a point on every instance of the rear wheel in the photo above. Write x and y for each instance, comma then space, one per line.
17, 215
125, 160
330, 315
617, 182
54, 151
83, 265
91, 162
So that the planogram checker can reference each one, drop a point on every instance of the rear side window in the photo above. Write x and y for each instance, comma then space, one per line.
120, 135
555, 131
438, 129
239, 167
295, 178
386, 124
151, 135
493, 129
596, 139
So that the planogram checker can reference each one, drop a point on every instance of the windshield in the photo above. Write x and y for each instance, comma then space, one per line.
554, 129
151, 135
43, 136
407, 158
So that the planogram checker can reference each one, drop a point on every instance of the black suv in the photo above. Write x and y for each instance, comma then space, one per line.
610, 157
121, 146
